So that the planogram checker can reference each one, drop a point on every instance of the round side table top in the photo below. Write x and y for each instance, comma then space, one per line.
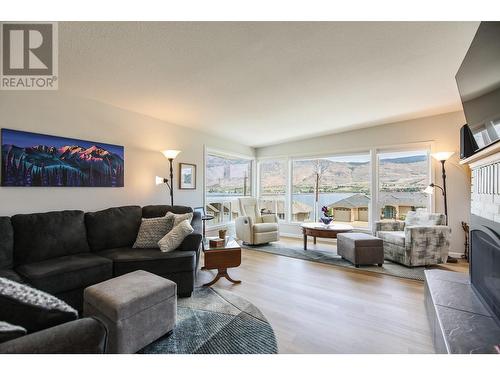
330, 227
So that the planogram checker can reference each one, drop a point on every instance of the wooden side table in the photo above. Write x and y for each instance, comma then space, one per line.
222, 258
323, 231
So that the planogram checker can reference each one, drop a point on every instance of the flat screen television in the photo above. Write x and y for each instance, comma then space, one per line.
478, 81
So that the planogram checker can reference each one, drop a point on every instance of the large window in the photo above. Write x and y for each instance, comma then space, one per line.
273, 187
226, 179
296, 189
342, 183
402, 176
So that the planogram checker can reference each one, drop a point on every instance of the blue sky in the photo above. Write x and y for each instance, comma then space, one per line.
26, 139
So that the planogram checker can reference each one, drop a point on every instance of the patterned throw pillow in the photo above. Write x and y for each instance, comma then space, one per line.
31, 308
174, 238
179, 218
152, 230
10, 331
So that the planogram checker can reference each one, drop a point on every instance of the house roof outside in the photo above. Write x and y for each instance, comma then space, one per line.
402, 198
354, 201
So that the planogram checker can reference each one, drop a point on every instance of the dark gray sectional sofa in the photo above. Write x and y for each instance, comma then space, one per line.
63, 252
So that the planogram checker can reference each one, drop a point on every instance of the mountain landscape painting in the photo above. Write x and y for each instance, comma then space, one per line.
31, 159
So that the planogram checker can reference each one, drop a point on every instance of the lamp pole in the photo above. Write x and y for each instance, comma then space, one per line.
443, 173
171, 155
171, 181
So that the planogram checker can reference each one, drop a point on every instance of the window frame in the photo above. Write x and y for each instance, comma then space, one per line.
373, 152
226, 154
287, 184
415, 147
333, 155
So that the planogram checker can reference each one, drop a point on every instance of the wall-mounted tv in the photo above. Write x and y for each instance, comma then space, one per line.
478, 81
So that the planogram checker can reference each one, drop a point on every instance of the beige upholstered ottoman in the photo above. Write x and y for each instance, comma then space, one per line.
360, 248
136, 308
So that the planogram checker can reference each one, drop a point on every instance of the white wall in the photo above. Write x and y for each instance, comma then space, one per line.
143, 137
442, 131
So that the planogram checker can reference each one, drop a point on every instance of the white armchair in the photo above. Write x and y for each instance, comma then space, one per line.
252, 227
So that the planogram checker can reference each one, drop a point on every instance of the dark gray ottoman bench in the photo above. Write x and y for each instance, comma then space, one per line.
360, 248
137, 308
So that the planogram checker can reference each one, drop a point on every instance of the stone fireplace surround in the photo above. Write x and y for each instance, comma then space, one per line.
460, 322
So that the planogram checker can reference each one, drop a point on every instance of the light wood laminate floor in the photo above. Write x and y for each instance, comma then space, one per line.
319, 308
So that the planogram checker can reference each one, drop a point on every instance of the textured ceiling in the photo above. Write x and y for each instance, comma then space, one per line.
262, 83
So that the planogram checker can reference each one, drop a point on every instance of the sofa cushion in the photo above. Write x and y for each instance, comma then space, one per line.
173, 239
265, 227
114, 227
11, 275
67, 273
6, 243
48, 235
82, 336
161, 210
10, 331
31, 308
179, 218
396, 237
127, 260
153, 230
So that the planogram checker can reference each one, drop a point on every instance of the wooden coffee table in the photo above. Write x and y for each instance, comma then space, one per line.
323, 231
222, 258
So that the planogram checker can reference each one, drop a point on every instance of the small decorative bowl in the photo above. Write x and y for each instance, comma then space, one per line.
326, 220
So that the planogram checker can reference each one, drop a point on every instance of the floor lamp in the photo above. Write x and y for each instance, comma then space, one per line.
170, 155
442, 157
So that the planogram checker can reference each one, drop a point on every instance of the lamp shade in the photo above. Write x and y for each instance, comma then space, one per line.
443, 155
171, 154
160, 180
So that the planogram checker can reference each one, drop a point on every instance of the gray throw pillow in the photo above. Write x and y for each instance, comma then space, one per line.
174, 238
152, 230
179, 218
31, 308
10, 331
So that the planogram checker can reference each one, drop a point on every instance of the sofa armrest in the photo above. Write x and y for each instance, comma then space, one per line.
430, 241
244, 229
197, 223
192, 242
389, 226
82, 336
269, 218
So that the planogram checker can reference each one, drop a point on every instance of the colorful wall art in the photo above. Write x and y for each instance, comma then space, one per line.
31, 159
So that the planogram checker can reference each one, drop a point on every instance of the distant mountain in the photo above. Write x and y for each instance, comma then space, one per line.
405, 160
70, 165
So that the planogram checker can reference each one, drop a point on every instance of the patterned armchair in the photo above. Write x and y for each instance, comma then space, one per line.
421, 240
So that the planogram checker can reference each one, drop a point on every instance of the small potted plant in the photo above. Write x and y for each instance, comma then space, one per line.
327, 217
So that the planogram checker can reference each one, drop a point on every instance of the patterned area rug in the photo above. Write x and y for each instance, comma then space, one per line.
214, 321
330, 257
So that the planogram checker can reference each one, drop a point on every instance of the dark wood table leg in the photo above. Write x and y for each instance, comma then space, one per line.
216, 278
222, 272
305, 241
314, 240
226, 275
